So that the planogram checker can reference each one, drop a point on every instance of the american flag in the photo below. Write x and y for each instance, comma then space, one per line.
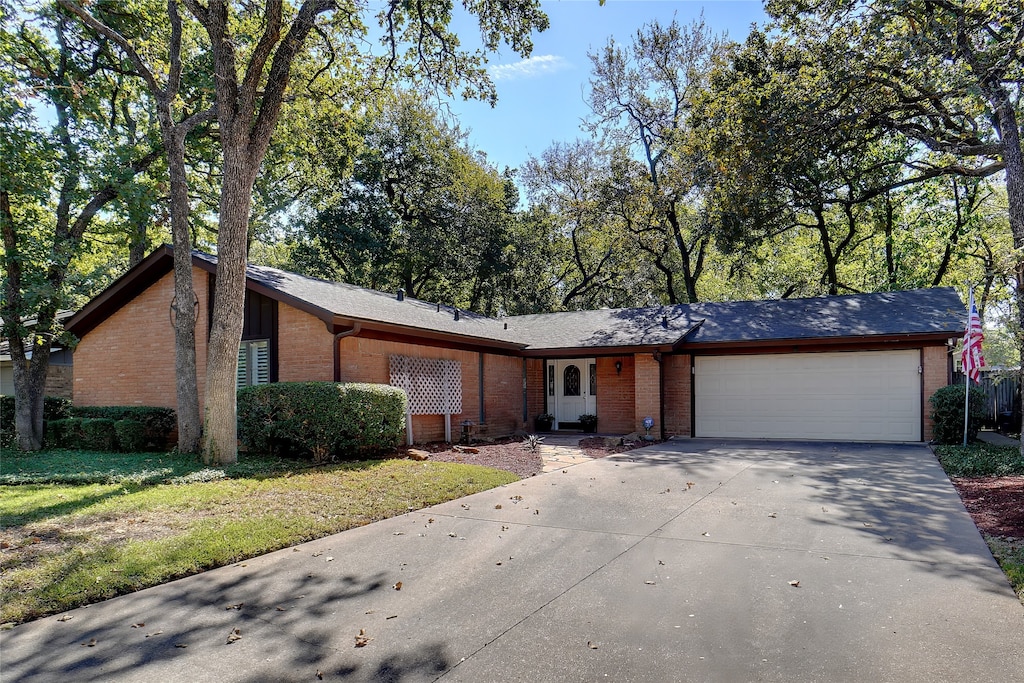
971, 358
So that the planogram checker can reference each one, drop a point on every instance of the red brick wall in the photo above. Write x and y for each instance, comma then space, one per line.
305, 347
935, 375
503, 395
60, 381
536, 386
677, 394
647, 400
615, 395
128, 359
367, 360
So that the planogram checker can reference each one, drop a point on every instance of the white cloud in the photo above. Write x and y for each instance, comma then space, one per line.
529, 68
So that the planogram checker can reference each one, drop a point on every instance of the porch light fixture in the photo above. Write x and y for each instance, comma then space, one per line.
618, 367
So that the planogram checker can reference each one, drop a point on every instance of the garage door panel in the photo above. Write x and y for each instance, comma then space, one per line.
873, 396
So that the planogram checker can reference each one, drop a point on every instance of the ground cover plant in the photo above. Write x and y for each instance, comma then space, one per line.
990, 481
79, 527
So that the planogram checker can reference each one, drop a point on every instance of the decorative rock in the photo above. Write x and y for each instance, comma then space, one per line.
612, 441
417, 454
465, 449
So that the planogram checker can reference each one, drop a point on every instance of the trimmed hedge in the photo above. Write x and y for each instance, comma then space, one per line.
324, 420
98, 434
66, 433
157, 422
948, 413
131, 435
54, 408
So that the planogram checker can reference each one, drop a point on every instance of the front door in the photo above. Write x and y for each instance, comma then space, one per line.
575, 389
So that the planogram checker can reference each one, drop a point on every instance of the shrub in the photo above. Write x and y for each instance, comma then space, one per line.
131, 435
54, 408
98, 434
66, 433
321, 419
157, 423
948, 413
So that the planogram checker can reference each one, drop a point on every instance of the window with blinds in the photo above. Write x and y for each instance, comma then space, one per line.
253, 362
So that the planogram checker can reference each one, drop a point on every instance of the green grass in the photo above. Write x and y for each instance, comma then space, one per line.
59, 466
66, 545
1009, 553
980, 460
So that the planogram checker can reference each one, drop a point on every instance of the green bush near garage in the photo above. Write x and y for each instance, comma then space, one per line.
948, 413
321, 420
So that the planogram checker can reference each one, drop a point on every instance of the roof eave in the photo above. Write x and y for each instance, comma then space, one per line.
852, 340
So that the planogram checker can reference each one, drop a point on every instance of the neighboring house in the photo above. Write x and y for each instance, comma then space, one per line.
59, 378
849, 367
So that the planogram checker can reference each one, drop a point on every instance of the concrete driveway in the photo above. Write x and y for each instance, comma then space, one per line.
677, 562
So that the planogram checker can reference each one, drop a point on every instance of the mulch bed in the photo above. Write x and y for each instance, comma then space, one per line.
995, 503
507, 454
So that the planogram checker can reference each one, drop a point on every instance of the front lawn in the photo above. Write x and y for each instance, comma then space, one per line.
133, 521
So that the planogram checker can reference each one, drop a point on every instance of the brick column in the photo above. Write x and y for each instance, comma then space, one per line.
934, 370
647, 402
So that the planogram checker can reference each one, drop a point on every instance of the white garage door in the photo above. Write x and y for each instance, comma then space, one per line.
862, 396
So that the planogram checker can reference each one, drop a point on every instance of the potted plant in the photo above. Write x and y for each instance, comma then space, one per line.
544, 422
589, 423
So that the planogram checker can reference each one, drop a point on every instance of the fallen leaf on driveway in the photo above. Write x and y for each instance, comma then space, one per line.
648, 583
138, 625
706, 533
498, 506
181, 645
362, 640
794, 584
398, 586
319, 674
773, 515
318, 553
592, 645
66, 617
236, 634
91, 643
235, 606
690, 484
154, 633
330, 559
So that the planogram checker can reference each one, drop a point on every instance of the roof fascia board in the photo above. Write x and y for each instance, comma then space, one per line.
882, 340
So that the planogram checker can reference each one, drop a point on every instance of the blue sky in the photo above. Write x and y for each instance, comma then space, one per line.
542, 100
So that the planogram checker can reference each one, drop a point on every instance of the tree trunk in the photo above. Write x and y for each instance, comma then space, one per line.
220, 440
185, 379
1013, 159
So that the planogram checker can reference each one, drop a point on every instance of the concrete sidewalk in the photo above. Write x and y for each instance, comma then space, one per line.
690, 560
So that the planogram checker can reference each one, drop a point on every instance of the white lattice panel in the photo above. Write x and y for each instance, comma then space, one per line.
433, 385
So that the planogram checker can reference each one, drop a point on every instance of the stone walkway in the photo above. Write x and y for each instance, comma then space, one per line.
561, 450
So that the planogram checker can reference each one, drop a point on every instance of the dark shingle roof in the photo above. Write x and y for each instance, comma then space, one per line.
350, 301
921, 311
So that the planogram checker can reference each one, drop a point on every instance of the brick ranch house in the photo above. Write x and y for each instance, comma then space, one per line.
858, 367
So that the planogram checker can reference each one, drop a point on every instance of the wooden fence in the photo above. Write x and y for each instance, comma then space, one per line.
1002, 409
